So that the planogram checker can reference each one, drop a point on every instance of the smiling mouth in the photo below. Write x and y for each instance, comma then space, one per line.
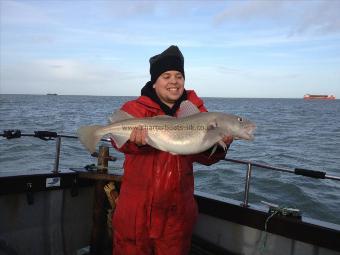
172, 89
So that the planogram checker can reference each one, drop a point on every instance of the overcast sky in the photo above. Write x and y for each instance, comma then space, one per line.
232, 48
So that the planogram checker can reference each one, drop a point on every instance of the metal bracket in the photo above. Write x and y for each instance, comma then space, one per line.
29, 193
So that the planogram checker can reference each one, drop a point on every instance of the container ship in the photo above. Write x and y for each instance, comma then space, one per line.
322, 97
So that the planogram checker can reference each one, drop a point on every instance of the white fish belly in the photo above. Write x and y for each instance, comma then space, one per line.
179, 142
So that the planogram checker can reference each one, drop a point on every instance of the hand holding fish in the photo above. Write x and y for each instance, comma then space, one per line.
138, 136
228, 139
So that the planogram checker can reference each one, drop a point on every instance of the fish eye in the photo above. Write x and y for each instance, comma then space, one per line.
239, 119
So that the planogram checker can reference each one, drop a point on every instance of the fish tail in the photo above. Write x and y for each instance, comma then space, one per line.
89, 136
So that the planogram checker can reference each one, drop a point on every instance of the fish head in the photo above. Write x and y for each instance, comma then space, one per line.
238, 127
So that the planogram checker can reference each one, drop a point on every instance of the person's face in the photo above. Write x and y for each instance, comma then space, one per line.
169, 87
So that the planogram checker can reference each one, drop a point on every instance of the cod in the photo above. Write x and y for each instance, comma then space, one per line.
189, 133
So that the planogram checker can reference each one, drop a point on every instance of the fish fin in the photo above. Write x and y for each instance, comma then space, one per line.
162, 117
119, 115
223, 145
187, 108
212, 125
119, 140
213, 150
213, 136
89, 136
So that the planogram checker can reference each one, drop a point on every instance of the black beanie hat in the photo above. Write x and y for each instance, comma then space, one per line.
170, 59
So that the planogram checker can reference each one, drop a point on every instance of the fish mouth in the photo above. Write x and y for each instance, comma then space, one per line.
248, 133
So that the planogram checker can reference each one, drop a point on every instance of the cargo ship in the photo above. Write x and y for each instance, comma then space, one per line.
322, 97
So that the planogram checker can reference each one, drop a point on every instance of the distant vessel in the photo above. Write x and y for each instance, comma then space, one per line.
51, 94
323, 97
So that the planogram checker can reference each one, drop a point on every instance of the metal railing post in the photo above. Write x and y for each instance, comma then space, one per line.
247, 185
99, 238
57, 155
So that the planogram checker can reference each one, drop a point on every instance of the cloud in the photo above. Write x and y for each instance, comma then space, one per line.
298, 17
267, 74
129, 9
152, 9
246, 11
66, 76
138, 38
322, 18
15, 12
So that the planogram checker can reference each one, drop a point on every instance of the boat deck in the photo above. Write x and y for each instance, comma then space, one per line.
202, 247
198, 247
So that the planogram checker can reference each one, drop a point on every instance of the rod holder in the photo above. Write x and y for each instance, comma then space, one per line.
247, 185
57, 154
99, 238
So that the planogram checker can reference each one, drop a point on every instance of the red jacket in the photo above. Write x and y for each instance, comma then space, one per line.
157, 183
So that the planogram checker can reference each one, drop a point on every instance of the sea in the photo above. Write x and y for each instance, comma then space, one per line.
291, 133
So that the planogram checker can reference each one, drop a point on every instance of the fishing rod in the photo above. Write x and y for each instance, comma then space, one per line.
43, 135
298, 171
47, 136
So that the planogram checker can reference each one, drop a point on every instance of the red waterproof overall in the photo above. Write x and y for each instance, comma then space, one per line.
156, 209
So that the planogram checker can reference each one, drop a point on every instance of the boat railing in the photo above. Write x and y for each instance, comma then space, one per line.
47, 135
297, 171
